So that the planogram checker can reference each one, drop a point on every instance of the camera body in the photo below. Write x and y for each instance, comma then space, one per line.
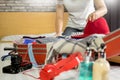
17, 65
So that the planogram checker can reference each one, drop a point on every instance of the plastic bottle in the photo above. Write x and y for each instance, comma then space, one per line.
85, 67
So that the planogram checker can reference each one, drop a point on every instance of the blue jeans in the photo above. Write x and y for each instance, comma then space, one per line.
68, 31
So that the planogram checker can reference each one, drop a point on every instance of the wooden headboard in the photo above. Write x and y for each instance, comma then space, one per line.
13, 23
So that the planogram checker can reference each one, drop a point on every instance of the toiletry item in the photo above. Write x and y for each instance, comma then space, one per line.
85, 67
101, 66
101, 69
85, 72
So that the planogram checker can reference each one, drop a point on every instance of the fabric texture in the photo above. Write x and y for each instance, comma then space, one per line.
78, 11
71, 46
99, 26
69, 31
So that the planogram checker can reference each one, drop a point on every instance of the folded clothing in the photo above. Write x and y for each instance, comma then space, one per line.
99, 26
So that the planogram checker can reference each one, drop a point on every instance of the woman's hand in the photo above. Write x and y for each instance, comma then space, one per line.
92, 17
58, 34
100, 11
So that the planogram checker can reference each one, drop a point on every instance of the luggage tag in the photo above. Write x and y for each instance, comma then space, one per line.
85, 67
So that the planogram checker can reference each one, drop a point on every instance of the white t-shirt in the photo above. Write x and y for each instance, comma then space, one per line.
78, 11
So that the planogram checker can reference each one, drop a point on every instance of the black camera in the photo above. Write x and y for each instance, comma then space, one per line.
17, 65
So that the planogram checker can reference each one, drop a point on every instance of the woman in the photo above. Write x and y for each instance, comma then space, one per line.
80, 11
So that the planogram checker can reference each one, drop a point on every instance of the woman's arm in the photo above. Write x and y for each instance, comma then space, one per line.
100, 11
59, 19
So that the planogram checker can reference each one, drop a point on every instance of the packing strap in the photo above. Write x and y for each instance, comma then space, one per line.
31, 55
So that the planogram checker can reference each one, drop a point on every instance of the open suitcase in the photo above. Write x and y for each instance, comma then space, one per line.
112, 40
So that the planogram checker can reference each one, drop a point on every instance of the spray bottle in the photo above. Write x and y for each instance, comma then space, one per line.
85, 67
101, 66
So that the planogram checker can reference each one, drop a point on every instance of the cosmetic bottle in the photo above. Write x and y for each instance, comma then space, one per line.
101, 66
85, 67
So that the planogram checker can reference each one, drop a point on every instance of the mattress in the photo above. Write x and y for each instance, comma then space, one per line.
33, 73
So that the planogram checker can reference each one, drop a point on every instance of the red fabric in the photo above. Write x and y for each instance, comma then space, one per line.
99, 26
51, 70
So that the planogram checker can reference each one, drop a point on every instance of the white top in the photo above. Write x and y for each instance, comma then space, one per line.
78, 11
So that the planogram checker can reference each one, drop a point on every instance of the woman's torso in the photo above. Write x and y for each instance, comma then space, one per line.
78, 12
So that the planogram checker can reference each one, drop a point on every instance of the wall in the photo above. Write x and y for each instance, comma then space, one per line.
113, 15
27, 5
12, 23
27, 16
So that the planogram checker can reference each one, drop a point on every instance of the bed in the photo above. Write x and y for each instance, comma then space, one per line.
14, 25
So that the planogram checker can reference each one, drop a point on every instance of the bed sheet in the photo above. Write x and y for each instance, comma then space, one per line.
71, 75
68, 75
